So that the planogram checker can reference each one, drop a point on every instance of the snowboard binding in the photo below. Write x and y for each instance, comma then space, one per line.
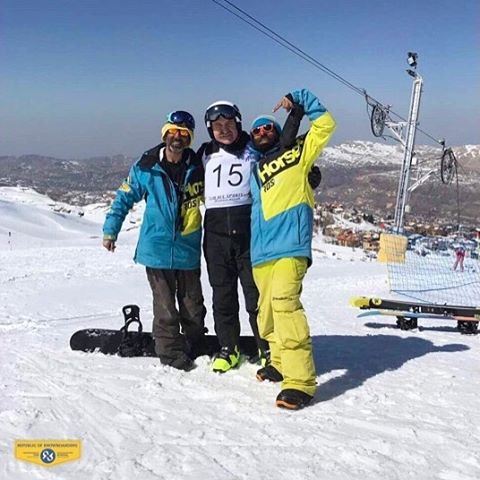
133, 342
467, 327
405, 323
131, 314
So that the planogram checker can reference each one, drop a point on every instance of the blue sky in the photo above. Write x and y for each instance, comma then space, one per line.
83, 78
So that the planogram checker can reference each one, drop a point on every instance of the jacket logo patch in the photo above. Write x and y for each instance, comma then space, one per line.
125, 187
193, 190
193, 203
272, 168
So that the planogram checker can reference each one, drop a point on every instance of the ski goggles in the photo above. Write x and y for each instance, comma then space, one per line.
181, 117
225, 111
263, 128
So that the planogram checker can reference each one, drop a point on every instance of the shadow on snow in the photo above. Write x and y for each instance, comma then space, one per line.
364, 357
420, 328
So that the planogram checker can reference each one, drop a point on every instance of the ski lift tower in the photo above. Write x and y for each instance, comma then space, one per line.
405, 132
408, 143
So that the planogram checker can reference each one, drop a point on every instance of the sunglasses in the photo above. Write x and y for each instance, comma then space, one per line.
174, 131
265, 128
181, 118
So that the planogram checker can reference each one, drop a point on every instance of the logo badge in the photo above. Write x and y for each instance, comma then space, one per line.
48, 453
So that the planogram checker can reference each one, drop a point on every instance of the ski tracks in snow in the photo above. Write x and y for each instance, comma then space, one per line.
390, 404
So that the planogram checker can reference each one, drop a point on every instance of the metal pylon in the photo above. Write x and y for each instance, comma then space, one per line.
408, 149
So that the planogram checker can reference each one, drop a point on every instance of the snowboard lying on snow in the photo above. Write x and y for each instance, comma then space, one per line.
127, 342
408, 313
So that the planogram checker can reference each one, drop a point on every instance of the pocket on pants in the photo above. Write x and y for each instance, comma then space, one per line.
299, 267
293, 332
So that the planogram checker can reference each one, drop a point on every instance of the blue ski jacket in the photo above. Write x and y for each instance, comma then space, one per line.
282, 208
170, 235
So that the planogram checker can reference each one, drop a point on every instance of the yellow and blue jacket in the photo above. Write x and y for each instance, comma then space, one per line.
282, 209
171, 232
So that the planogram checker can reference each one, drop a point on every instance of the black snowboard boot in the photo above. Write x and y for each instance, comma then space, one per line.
269, 373
183, 362
292, 399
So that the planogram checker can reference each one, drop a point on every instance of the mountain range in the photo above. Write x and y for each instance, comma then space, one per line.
359, 174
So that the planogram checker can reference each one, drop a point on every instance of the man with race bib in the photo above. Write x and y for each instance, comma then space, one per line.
228, 160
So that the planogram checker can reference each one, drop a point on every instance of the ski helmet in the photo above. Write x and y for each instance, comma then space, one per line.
223, 109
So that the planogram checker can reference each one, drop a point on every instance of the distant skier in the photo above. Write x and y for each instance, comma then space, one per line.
282, 217
459, 258
170, 181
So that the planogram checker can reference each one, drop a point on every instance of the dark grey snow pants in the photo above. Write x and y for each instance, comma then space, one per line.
176, 330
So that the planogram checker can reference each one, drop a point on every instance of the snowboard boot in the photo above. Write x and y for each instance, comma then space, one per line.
226, 359
269, 373
264, 357
293, 399
182, 362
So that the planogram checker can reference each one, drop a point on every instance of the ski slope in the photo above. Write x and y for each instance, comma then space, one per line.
390, 404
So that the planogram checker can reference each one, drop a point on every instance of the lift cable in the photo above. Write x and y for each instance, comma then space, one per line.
282, 41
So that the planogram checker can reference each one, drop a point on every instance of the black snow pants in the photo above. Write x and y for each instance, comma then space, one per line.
228, 260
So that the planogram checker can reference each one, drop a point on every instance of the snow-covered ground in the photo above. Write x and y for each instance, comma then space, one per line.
390, 404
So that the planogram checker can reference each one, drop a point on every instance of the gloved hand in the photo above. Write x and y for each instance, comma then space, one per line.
314, 177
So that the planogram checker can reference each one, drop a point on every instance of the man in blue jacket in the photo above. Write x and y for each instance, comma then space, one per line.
282, 228
170, 180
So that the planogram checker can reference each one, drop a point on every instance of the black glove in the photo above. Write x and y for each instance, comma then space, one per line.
314, 177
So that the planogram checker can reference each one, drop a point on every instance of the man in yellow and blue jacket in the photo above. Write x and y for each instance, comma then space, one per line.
169, 178
282, 229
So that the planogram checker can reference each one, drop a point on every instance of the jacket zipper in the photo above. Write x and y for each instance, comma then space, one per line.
259, 214
174, 200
